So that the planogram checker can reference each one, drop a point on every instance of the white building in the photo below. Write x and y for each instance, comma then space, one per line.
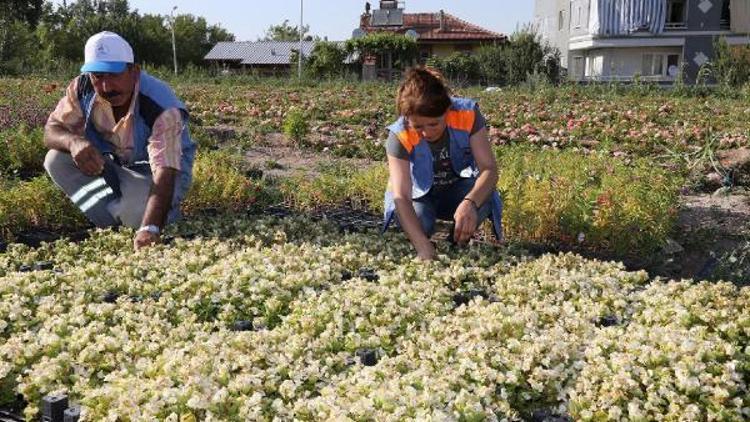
619, 39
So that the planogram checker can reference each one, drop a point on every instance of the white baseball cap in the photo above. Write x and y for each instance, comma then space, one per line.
107, 52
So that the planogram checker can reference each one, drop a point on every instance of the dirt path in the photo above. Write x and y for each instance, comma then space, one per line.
277, 158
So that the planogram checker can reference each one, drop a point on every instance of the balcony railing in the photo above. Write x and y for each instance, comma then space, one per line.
675, 25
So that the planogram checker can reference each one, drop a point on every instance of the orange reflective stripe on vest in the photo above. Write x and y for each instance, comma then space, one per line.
409, 138
460, 119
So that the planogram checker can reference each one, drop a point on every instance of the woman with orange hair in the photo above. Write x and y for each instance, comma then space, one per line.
440, 162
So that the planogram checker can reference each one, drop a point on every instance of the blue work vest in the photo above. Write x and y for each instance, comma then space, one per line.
459, 121
154, 97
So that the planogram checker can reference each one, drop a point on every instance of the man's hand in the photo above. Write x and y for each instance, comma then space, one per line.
144, 238
86, 157
426, 251
466, 218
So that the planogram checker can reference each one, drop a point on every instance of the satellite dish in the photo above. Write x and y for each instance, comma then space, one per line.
358, 33
412, 34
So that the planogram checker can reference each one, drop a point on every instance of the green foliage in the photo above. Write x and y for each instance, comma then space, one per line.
22, 151
326, 60
218, 184
492, 64
296, 125
525, 55
461, 68
286, 32
588, 201
731, 64
337, 183
62, 31
16, 47
28, 11
37, 204
403, 48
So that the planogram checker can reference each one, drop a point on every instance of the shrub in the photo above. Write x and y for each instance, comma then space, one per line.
732, 64
326, 60
36, 204
461, 68
525, 55
218, 184
595, 202
296, 126
492, 65
22, 151
336, 184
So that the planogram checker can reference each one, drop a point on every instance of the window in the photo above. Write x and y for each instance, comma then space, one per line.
561, 20
578, 67
660, 65
673, 65
579, 17
676, 13
726, 15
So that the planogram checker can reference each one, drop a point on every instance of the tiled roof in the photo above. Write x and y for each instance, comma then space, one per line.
258, 52
427, 25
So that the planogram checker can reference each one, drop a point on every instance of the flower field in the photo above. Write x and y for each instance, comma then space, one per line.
242, 315
266, 318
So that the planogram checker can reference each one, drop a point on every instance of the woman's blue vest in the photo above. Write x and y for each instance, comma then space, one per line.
459, 121
154, 97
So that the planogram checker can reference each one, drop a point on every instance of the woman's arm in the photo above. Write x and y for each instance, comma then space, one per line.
466, 214
400, 181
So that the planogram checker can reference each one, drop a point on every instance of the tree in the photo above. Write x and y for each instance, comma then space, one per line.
286, 32
55, 35
28, 11
326, 60
461, 68
524, 54
492, 64
195, 38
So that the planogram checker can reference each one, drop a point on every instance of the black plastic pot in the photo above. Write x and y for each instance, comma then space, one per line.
43, 265
53, 408
72, 414
367, 357
368, 274
110, 297
242, 325
464, 298
608, 321
34, 238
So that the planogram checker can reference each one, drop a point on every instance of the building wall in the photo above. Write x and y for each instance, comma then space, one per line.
547, 23
697, 20
442, 50
626, 62
695, 48
446, 49
629, 62
580, 11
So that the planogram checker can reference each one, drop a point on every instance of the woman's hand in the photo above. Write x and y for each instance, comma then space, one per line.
467, 219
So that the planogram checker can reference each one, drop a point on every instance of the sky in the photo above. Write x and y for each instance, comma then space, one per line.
249, 19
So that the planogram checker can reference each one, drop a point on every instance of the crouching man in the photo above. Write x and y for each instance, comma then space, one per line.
119, 143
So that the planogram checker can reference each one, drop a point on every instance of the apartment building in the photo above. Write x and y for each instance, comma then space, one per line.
605, 40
